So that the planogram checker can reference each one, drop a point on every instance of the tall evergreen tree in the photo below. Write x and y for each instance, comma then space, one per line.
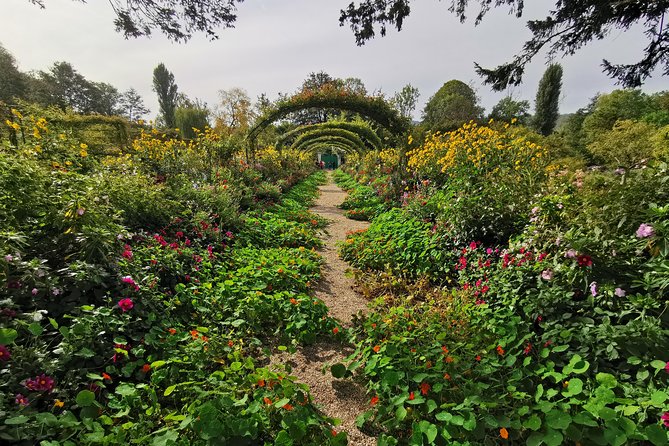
546, 105
132, 105
167, 91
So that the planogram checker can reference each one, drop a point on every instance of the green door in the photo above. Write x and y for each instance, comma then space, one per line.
331, 161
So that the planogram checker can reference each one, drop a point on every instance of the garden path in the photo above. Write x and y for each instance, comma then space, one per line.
341, 399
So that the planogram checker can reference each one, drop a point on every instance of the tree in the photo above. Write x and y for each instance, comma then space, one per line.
167, 91
546, 104
64, 87
454, 104
234, 112
569, 26
615, 106
405, 100
508, 109
12, 81
627, 144
191, 115
104, 99
132, 105
177, 19
353, 85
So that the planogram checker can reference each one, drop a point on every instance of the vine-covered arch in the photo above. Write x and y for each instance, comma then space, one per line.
373, 108
328, 133
325, 146
351, 145
362, 129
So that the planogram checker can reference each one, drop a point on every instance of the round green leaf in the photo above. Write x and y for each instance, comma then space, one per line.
338, 370
85, 398
7, 335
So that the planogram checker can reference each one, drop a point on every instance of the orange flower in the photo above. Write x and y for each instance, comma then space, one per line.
106, 376
288, 406
293, 301
500, 350
428, 365
261, 383
449, 359
373, 401
333, 432
376, 348
194, 334
230, 343
504, 433
424, 388
411, 396
58, 403
205, 339
447, 376
146, 368
280, 271
478, 357
445, 350
172, 331
373, 325
267, 401
335, 330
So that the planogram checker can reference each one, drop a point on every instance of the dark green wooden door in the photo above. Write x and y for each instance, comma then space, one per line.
331, 161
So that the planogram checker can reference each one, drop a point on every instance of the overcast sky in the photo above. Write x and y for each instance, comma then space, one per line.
277, 43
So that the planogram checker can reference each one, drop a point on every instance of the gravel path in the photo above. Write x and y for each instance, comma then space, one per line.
341, 399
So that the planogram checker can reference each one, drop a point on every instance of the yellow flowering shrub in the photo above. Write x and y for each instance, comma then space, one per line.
480, 151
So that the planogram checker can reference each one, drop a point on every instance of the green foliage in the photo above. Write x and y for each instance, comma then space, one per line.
546, 104
627, 145
508, 109
190, 118
167, 91
615, 106
454, 104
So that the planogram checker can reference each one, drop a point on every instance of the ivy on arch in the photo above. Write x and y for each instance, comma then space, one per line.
351, 145
362, 129
373, 108
325, 146
328, 133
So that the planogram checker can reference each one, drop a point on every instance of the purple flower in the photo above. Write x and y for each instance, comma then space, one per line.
5, 355
40, 382
535, 209
56, 291
620, 292
619, 171
126, 304
21, 400
547, 274
571, 254
80, 211
593, 289
34, 291
645, 231
9, 258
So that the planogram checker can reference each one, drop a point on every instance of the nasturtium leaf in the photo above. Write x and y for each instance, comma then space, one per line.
7, 335
558, 419
338, 370
36, 329
85, 398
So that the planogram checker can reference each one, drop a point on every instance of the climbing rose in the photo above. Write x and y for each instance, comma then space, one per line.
645, 231
126, 304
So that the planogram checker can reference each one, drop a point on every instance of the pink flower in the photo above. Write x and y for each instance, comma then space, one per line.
665, 419
571, 254
584, 260
488, 251
593, 289
547, 274
128, 280
620, 292
81, 211
127, 254
228, 234
5, 355
472, 245
21, 400
179, 234
34, 291
126, 304
9, 258
666, 367
645, 231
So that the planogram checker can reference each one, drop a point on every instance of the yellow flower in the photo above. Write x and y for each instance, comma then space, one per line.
83, 146
17, 113
83, 153
58, 403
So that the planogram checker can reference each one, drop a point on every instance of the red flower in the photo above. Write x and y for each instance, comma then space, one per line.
267, 401
376, 348
146, 368
335, 330
293, 301
500, 350
106, 377
411, 396
5, 355
126, 304
373, 401
478, 357
584, 260
172, 331
288, 406
424, 388
261, 383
